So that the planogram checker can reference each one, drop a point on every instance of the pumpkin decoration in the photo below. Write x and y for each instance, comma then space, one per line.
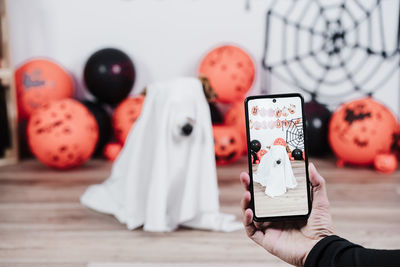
125, 116
261, 153
360, 130
235, 116
385, 163
230, 71
62, 134
227, 144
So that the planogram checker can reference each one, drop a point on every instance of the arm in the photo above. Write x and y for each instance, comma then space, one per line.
333, 251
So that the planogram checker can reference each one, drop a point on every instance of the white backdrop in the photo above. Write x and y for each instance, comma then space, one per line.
165, 38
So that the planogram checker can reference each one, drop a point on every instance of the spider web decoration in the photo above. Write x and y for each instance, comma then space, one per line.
332, 50
294, 134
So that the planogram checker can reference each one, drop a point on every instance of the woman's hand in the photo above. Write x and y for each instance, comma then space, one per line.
291, 241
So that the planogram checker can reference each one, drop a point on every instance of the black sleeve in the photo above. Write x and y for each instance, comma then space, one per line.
333, 251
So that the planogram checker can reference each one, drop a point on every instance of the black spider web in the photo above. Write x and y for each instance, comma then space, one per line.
352, 45
294, 134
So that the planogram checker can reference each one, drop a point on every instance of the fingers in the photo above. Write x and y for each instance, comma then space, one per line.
245, 180
245, 201
319, 187
252, 232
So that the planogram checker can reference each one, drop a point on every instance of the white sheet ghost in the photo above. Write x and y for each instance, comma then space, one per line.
275, 172
165, 175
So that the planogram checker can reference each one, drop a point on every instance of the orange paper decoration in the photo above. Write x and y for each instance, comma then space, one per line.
235, 117
385, 163
112, 150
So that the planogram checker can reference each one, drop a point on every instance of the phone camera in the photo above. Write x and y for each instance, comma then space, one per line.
274, 100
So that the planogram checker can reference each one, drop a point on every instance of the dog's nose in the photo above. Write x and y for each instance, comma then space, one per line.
278, 161
187, 129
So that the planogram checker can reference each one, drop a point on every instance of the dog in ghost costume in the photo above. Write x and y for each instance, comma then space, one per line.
165, 175
275, 172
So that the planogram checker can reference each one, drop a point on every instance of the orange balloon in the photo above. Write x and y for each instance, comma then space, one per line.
112, 150
360, 130
125, 116
40, 81
385, 163
235, 117
279, 141
227, 144
62, 134
231, 72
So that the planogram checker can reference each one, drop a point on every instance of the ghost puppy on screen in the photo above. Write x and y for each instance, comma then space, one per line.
275, 172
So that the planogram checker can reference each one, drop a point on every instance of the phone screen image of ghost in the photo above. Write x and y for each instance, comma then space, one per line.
277, 155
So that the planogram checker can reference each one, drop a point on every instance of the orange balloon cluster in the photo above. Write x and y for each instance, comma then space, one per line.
125, 116
230, 71
62, 134
360, 130
39, 81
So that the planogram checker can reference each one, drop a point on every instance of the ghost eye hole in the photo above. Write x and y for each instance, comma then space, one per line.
232, 141
278, 161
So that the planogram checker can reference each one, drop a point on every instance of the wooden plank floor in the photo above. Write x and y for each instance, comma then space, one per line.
43, 224
293, 202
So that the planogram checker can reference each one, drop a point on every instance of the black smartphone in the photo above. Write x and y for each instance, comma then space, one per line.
277, 155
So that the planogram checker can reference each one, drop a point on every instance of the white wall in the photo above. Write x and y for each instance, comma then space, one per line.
165, 38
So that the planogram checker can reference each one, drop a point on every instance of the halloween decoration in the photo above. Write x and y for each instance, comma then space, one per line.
109, 75
396, 143
385, 163
40, 81
125, 116
112, 150
216, 115
297, 154
255, 145
317, 120
235, 117
295, 134
360, 130
164, 177
231, 72
254, 157
275, 172
344, 56
227, 144
261, 153
62, 134
103, 123
279, 141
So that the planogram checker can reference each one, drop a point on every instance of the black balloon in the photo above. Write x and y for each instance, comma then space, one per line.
109, 75
297, 154
254, 154
103, 122
317, 121
216, 115
255, 145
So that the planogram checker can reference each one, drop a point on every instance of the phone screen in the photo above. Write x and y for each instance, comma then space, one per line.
277, 159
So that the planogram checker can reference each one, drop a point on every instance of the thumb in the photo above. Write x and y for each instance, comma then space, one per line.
320, 197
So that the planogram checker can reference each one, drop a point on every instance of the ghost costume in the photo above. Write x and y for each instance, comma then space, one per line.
275, 172
165, 175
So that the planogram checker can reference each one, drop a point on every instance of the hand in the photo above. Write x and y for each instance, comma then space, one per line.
291, 241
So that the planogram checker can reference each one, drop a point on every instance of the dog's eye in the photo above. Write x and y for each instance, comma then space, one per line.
278, 161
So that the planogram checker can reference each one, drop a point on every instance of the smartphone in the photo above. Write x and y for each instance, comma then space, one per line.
277, 155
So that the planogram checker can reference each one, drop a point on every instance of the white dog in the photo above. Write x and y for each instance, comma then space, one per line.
275, 172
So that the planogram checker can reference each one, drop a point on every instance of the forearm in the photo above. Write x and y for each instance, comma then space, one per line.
333, 251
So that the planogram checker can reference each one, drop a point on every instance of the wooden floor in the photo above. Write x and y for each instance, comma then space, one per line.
43, 224
293, 202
